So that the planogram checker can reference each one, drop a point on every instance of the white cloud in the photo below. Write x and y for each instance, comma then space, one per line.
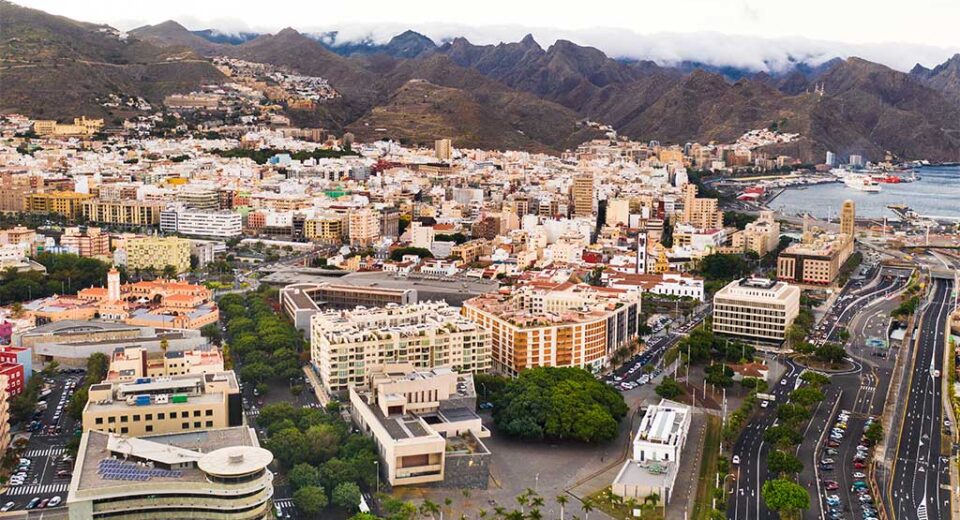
741, 33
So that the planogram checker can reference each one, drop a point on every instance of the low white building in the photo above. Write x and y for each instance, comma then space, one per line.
657, 448
669, 284
204, 223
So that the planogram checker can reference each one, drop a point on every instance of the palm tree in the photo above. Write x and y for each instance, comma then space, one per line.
499, 511
429, 506
535, 514
16, 309
515, 515
587, 507
536, 501
522, 500
482, 514
562, 500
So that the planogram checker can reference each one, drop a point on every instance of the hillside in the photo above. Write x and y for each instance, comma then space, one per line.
54, 67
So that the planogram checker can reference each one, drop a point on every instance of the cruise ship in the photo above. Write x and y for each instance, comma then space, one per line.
862, 183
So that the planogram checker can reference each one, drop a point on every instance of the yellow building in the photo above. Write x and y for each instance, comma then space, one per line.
121, 213
760, 236
328, 229
80, 126
157, 253
66, 203
175, 404
364, 227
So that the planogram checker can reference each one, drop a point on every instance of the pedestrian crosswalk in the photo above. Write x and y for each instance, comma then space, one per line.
37, 489
51, 451
922, 511
283, 502
254, 412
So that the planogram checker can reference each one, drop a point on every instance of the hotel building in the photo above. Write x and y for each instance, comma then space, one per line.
756, 309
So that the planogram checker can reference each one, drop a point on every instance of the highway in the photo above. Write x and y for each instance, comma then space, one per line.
746, 502
920, 488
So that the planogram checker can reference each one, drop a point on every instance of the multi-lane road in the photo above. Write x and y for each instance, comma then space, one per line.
920, 486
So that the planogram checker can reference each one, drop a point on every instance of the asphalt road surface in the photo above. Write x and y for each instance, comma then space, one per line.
921, 478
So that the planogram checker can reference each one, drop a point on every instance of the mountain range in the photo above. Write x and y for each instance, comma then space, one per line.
509, 95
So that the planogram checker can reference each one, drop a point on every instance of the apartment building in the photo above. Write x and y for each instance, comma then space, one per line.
130, 213
760, 236
90, 242
363, 227
204, 223
546, 324
4, 416
221, 473
66, 203
756, 309
443, 149
657, 447
170, 404
157, 253
81, 126
699, 212
424, 425
197, 198
345, 344
130, 363
326, 229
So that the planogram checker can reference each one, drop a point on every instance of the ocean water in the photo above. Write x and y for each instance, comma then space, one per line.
937, 193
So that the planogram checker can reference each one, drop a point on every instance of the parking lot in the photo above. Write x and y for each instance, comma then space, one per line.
43, 475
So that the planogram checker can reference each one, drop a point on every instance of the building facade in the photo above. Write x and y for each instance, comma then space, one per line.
157, 253
756, 309
346, 344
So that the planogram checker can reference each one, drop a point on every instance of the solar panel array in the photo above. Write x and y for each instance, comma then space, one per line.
113, 469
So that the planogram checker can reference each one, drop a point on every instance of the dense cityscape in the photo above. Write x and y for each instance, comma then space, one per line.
215, 303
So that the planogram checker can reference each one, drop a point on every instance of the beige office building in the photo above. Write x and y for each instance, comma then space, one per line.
364, 227
756, 309
158, 252
423, 423
848, 218
173, 404
817, 262
121, 212
443, 149
582, 195
218, 474
345, 344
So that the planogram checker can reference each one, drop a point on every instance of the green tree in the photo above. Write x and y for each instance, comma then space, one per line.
830, 353
792, 414
874, 432
310, 499
303, 475
169, 272
806, 396
286, 446
320, 443
398, 254
346, 495
815, 379
783, 462
719, 375
669, 388
785, 496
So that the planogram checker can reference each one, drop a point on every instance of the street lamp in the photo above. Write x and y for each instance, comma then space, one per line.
377, 462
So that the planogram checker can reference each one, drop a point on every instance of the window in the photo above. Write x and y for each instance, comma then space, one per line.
149, 428
161, 416
185, 426
196, 424
124, 418
99, 420
196, 413
111, 420
209, 413
136, 418
123, 429
148, 417
209, 424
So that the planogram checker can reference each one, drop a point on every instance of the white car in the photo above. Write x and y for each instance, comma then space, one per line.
54, 502
736, 459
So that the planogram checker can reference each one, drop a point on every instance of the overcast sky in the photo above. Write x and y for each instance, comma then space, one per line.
724, 32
